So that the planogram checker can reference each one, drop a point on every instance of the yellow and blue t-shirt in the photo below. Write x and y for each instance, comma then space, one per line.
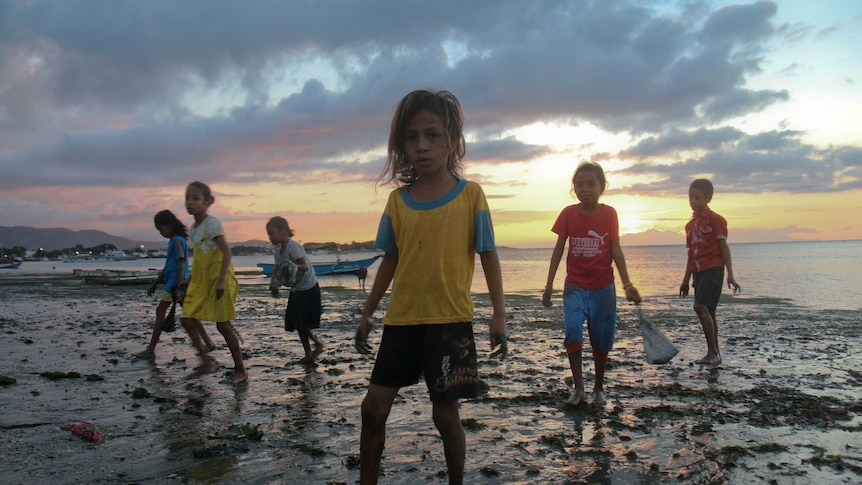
436, 242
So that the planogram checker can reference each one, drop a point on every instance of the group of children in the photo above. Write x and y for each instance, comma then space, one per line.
208, 292
427, 327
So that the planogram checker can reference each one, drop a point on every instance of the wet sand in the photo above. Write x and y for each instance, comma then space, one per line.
784, 408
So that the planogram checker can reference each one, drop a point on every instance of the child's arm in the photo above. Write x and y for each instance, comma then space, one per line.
683, 287
273, 281
221, 241
725, 253
632, 293
494, 280
159, 279
382, 279
556, 256
301, 265
181, 271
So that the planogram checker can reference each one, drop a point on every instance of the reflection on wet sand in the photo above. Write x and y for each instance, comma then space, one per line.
784, 404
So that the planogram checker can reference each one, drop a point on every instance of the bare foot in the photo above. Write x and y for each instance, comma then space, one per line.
599, 398
710, 360
145, 354
576, 398
308, 359
318, 349
203, 369
237, 377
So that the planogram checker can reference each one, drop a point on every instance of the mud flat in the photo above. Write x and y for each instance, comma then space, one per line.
784, 408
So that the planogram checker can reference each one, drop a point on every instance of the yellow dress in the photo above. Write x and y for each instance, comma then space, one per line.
200, 301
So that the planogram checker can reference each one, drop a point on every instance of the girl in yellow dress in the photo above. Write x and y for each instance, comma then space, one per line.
212, 287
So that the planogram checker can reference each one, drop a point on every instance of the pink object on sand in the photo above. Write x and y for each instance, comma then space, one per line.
84, 429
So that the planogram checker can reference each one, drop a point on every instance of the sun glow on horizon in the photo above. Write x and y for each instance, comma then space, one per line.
570, 137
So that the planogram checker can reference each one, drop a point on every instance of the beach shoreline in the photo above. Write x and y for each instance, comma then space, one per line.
784, 408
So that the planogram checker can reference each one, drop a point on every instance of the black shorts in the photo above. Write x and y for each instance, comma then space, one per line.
707, 287
444, 353
303, 309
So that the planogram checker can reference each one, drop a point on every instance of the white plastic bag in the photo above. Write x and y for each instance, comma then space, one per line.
657, 348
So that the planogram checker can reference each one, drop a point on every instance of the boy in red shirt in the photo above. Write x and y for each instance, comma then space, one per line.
708, 255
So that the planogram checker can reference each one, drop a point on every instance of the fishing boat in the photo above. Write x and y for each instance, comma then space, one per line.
8, 262
331, 268
114, 277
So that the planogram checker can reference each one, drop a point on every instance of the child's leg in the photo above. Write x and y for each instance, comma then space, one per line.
232, 340
602, 325
192, 327
598, 387
707, 291
195, 329
715, 333
447, 419
574, 309
161, 311
710, 331
375, 411
208, 343
577, 365
306, 337
318, 345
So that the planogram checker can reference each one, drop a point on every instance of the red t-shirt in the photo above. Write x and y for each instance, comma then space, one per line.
588, 263
702, 234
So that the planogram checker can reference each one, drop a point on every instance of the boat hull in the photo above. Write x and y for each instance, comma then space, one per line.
116, 277
334, 268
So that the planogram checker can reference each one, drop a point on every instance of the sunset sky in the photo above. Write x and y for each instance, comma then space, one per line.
109, 108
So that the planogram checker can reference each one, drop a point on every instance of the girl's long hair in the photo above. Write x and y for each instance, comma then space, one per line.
444, 104
167, 218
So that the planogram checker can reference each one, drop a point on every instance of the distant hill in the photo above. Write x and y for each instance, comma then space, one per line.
61, 238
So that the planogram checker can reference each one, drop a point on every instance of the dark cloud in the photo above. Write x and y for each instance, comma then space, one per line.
676, 140
766, 162
104, 94
505, 150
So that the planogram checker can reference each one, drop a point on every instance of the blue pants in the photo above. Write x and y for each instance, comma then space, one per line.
598, 308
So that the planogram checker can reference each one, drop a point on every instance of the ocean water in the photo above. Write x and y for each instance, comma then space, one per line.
818, 275
784, 403
825, 275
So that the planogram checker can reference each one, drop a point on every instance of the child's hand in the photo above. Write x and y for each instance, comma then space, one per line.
183, 284
546, 296
152, 289
683, 289
732, 284
360, 341
219, 292
632, 294
499, 338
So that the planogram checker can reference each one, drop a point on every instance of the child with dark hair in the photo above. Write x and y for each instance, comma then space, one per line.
212, 287
708, 255
176, 269
303, 305
433, 225
592, 232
